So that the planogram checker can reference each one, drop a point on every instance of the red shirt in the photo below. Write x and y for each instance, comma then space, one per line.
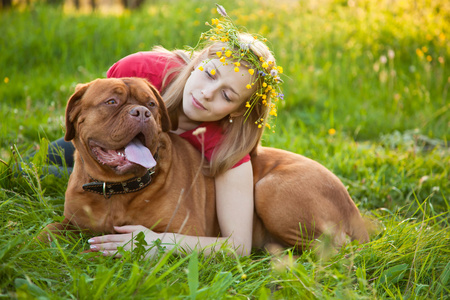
153, 66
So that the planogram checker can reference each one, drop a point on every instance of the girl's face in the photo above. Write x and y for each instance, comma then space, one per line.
216, 92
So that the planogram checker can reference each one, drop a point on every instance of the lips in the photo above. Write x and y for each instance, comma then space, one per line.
197, 104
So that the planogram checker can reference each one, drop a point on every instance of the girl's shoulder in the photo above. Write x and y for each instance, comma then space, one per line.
211, 138
151, 65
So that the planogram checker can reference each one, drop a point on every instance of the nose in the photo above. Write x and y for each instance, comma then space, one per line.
208, 93
140, 112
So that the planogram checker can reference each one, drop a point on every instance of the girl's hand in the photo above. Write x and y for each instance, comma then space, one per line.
108, 244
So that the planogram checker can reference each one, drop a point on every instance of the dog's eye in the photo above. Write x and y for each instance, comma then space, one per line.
152, 104
111, 102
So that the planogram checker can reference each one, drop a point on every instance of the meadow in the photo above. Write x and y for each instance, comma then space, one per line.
366, 87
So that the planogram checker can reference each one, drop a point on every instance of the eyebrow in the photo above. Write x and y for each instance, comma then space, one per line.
230, 87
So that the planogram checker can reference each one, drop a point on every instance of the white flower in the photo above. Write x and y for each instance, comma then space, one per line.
221, 10
273, 72
391, 54
199, 130
244, 46
383, 59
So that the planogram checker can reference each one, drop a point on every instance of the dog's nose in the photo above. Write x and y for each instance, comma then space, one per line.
140, 112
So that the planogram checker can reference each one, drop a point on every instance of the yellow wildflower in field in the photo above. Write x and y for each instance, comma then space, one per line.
265, 65
331, 131
6, 80
419, 53
429, 58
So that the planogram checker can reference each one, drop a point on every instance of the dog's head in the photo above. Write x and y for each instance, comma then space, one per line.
115, 125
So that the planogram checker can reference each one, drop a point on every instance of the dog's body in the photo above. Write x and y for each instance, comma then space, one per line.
296, 199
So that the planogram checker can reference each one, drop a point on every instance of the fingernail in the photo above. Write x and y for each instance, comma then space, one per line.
93, 247
90, 241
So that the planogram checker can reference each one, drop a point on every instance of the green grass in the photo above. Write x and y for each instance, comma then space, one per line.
376, 72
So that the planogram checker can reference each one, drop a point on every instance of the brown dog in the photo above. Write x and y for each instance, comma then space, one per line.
119, 125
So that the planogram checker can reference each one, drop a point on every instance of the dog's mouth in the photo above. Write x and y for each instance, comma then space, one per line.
134, 153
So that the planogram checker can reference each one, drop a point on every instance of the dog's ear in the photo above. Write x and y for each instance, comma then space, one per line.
165, 120
73, 109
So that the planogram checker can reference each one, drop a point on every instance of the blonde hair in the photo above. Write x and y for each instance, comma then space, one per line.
242, 135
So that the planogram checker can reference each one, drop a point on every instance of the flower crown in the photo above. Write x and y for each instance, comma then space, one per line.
267, 71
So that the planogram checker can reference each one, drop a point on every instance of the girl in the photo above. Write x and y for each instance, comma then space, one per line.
227, 88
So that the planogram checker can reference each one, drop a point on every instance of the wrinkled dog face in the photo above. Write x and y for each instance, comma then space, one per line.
117, 122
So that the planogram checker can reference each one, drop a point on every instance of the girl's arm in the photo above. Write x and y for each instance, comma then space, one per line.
234, 205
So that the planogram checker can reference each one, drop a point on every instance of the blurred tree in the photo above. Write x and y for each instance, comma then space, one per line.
6, 4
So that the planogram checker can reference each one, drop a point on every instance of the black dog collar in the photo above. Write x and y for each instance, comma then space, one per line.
107, 189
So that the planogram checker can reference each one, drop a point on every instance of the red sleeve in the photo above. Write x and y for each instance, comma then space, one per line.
150, 65
212, 137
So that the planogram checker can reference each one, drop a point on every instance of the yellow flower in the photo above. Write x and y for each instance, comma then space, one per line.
264, 97
236, 69
261, 58
237, 64
222, 59
213, 72
267, 125
247, 104
265, 65
331, 131
273, 112
215, 21
6, 80
429, 58
251, 71
219, 54
259, 126
280, 69
201, 68
248, 86
228, 53
264, 84
419, 52
424, 49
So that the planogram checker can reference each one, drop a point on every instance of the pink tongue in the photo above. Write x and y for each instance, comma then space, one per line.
137, 153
